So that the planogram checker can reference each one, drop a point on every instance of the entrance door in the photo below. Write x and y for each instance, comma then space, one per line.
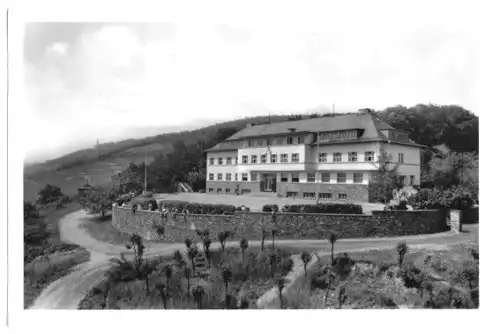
269, 182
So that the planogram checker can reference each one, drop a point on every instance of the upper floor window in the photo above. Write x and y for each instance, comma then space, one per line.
283, 157
228, 176
221, 161
211, 161
254, 159
236, 160
295, 157
337, 157
244, 176
322, 157
358, 177
219, 176
236, 176
401, 158
341, 177
274, 158
295, 177
325, 177
339, 135
279, 140
263, 159
289, 140
300, 139
311, 177
228, 160
369, 156
244, 159
353, 156
211, 176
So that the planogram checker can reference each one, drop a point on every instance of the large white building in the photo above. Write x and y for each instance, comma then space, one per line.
333, 156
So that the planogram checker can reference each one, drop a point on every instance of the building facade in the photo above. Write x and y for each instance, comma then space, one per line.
330, 157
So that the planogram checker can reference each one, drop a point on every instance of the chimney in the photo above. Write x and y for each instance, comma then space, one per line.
249, 125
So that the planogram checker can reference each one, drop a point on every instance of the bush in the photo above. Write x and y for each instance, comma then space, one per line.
199, 208
400, 206
270, 208
145, 202
147, 194
456, 197
333, 208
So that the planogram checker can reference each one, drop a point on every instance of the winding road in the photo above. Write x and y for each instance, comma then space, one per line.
68, 291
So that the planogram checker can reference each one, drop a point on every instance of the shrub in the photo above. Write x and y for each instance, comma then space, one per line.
147, 194
145, 202
400, 206
333, 208
456, 197
270, 208
199, 208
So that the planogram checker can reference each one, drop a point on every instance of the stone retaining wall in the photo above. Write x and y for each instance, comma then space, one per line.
288, 225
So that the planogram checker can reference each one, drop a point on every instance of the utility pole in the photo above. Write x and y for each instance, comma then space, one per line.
317, 171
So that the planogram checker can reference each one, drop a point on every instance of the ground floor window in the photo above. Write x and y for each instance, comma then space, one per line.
211, 176
244, 176
219, 177
284, 177
412, 180
358, 177
253, 177
325, 177
309, 195
292, 194
295, 177
228, 176
341, 177
342, 196
311, 177
210, 190
325, 196
236, 176
219, 190
228, 190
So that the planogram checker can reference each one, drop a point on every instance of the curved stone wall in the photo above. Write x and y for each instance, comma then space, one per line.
288, 225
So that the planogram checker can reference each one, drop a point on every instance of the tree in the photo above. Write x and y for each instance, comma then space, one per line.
99, 201
402, 249
137, 246
226, 275
198, 293
206, 248
192, 253
30, 211
188, 243
341, 296
243, 247
222, 237
306, 258
385, 180
51, 194
161, 289
280, 284
263, 234
168, 271
332, 238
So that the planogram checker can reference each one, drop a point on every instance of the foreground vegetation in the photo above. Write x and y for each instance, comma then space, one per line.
225, 278
398, 278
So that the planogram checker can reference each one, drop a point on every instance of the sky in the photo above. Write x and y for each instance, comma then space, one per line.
119, 80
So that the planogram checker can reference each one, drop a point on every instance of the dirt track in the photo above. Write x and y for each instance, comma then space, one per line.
68, 291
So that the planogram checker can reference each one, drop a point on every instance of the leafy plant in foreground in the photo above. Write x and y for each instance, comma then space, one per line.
222, 237
243, 247
206, 248
306, 258
280, 284
198, 292
332, 238
192, 253
402, 249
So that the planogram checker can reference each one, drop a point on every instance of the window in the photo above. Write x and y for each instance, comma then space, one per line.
211, 176
295, 157
342, 196
337, 157
309, 195
369, 156
228, 176
300, 139
279, 141
236, 176
254, 159
283, 158
284, 177
219, 190
311, 177
295, 177
322, 157
260, 142
412, 180
244, 159
219, 177
402, 179
210, 190
274, 158
228, 160
211, 161
244, 176
236, 160
353, 156
401, 158
325, 177
263, 159
325, 196
221, 161
289, 140
292, 194
253, 177
341, 177
228, 190
358, 177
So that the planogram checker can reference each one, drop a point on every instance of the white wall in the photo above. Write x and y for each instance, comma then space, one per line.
411, 165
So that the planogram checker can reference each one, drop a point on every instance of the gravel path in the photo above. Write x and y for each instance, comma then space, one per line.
68, 291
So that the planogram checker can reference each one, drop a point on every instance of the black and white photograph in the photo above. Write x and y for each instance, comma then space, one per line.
325, 159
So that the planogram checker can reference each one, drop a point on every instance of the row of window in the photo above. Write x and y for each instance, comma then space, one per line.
325, 177
220, 161
307, 195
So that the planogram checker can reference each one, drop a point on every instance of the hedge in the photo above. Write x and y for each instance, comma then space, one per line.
338, 208
144, 202
270, 208
199, 208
